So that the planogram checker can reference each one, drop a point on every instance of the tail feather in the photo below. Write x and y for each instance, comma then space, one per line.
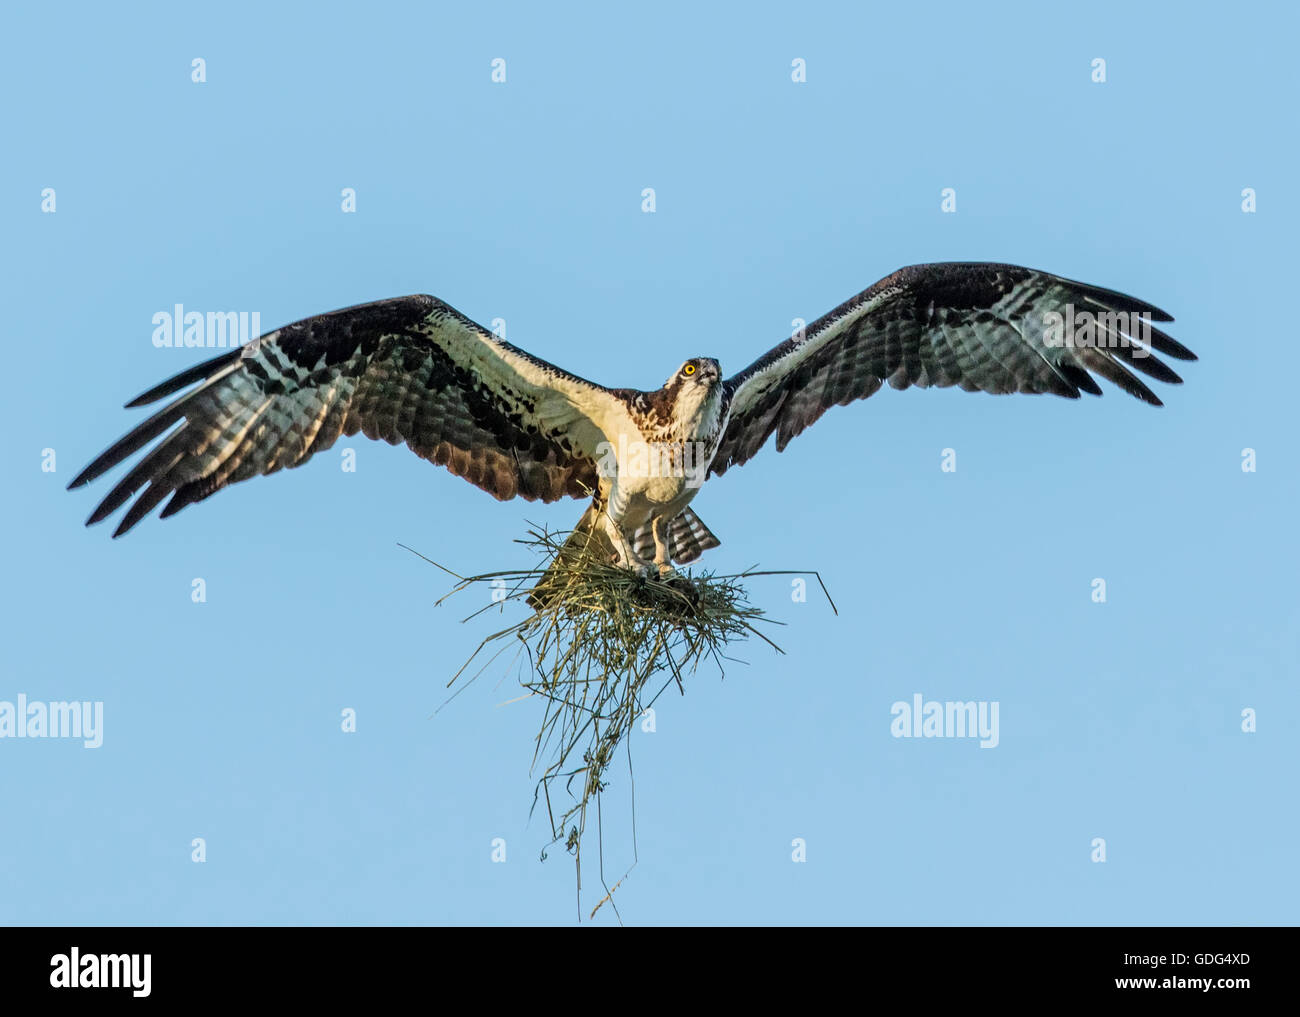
688, 538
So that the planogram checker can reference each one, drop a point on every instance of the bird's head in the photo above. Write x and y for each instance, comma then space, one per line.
698, 372
694, 393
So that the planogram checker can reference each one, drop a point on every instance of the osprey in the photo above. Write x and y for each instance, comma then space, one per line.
414, 370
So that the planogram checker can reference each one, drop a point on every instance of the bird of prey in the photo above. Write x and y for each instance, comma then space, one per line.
413, 370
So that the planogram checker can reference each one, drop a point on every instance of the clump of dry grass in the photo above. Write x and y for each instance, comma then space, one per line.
601, 646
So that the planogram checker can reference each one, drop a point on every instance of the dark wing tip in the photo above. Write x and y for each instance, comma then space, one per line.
1140, 391
101, 464
1080, 379
1102, 363
1115, 299
188, 377
102, 512
1166, 344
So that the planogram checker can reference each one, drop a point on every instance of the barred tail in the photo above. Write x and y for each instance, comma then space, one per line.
688, 538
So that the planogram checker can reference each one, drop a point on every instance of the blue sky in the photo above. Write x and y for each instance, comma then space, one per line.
774, 200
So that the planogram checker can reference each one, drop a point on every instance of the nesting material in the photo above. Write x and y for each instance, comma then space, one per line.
599, 647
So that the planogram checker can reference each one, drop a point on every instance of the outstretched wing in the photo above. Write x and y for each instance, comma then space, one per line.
409, 370
983, 327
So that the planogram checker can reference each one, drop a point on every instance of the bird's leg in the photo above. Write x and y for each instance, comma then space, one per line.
657, 526
622, 546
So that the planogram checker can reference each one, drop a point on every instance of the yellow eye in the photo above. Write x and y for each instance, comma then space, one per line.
688, 370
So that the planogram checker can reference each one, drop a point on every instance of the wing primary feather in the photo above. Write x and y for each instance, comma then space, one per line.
1117, 300
1080, 379
1146, 362
186, 378
150, 468
1113, 371
141, 507
130, 443
1121, 345
1169, 346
